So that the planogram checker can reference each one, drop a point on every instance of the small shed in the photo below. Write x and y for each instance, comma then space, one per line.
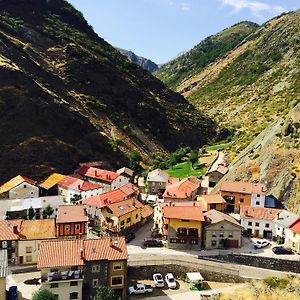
195, 280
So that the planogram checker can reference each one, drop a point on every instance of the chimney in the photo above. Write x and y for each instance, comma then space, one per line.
173, 204
96, 173
81, 254
170, 203
194, 203
110, 242
15, 230
79, 187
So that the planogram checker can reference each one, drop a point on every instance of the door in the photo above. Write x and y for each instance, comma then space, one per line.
21, 260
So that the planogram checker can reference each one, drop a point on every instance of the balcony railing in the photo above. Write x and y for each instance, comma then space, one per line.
59, 276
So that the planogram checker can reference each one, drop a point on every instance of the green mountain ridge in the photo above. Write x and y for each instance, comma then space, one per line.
67, 96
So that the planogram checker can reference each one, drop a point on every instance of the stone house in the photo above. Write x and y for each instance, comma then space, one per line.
156, 182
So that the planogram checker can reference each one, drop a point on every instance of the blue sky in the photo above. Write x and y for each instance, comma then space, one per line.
161, 29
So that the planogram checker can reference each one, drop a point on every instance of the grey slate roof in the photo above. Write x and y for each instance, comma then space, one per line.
286, 218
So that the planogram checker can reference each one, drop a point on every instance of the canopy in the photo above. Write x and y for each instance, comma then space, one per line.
194, 276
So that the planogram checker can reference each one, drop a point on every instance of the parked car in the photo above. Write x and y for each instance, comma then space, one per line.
129, 237
261, 243
153, 243
140, 289
282, 250
13, 293
170, 280
158, 280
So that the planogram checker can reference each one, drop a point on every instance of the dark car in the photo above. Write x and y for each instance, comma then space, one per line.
282, 250
13, 293
129, 237
153, 243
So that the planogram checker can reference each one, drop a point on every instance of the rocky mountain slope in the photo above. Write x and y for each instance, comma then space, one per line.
67, 96
143, 62
253, 90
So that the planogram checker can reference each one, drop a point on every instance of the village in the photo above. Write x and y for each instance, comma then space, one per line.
73, 233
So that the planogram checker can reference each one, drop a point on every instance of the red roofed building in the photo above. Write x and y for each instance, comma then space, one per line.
186, 189
292, 236
74, 269
70, 187
109, 179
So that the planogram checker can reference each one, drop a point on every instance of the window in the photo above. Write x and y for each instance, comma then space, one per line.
267, 225
73, 295
95, 283
137, 216
258, 195
116, 280
182, 231
222, 226
96, 268
122, 223
182, 241
194, 242
53, 285
213, 206
74, 283
242, 200
257, 224
257, 202
230, 234
28, 249
214, 235
214, 243
25, 186
221, 234
67, 227
13, 244
28, 258
4, 244
249, 223
117, 265
77, 226
173, 240
128, 220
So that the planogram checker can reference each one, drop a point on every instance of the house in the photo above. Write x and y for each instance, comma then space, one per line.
221, 231
259, 221
283, 221
292, 236
156, 182
8, 238
49, 187
19, 187
180, 224
19, 208
71, 187
217, 170
3, 273
126, 172
71, 222
31, 234
122, 216
240, 193
146, 214
74, 269
108, 179
213, 201
96, 203
183, 190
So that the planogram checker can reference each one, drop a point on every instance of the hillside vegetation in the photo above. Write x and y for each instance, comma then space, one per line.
67, 96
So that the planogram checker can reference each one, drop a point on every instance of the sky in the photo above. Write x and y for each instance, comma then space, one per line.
162, 29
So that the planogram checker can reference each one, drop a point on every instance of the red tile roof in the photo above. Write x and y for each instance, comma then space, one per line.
95, 173
243, 187
113, 196
78, 184
182, 189
146, 211
295, 227
71, 214
7, 230
213, 199
258, 213
38, 229
124, 207
182, 203
65, 253
194, 213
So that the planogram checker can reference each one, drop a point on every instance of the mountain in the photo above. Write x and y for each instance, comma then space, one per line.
67, 96
253, 91
143, 62
192, 62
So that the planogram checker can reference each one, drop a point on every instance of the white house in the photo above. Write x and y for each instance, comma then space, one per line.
258, 195
70, 186
292, 236
19, 187
156, 182
259, 221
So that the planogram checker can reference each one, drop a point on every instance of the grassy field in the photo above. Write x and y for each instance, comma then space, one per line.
184, 169
217, 147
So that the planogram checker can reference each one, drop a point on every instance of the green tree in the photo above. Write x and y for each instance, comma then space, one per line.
48, 210
193, 157
31, 213
75, 198
105, 293
43, 294
134, 160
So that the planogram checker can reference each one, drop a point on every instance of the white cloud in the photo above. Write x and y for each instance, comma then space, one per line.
256, 7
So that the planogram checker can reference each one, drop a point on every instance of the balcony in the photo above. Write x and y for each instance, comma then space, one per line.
61, 276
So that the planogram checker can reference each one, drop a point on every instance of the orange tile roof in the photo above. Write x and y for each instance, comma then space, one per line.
78, 184
7, 230
38, 229
258, 213
181, 203
113, 196
124, 207
243, 187
96, 173
295, 227
172, 180
212, 199
65, 253
7, 186
194, 213
51, 181
217, 216
71, 214
146, 211
183, 188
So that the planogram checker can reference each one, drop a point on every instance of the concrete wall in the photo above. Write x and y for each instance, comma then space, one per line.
153, 187
29, 258
292, 240
113, 272
261, 228
119, 181
258, 200
24, 190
